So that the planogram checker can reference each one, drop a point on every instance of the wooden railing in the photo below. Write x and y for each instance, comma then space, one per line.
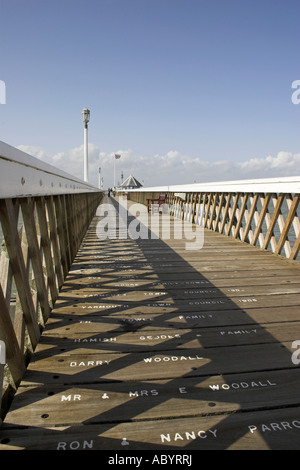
44, 214
263, 213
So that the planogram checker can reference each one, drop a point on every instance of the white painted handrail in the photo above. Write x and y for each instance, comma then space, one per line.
22, 175
262, 185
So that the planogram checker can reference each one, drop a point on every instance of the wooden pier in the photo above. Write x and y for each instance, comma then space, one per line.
154, 347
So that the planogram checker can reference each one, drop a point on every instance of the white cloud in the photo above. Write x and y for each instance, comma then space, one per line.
284, 164
170, 168
33, 150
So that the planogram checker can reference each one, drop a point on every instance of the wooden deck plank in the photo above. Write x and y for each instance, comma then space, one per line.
171, 305
83, 365
167, 349
160, 338
91, 283
68, 324
66, 405
140, 294
276, 429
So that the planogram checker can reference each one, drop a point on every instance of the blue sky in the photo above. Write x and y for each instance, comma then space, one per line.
185, 90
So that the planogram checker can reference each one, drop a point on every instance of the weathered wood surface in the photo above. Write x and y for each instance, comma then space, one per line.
68, 405
150, 347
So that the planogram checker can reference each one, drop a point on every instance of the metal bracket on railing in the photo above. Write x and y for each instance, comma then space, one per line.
2, 353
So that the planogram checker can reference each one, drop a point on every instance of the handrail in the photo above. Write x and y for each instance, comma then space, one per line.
22, 175
44, 215
262, 212
289, 184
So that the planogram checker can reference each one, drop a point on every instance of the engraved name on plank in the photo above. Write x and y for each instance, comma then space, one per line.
208, 302
183, 390
114, 339
163, 336
146, 360
263, 428
275, 427
189, 434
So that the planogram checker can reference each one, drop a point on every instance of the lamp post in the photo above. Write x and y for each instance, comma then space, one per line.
85, 118
117, 156
100, 177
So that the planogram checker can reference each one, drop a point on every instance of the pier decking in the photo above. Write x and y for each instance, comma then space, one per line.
154, 347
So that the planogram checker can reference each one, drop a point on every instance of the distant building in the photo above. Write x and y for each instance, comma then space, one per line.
130, 183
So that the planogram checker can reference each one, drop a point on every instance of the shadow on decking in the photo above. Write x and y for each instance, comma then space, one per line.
163, 357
